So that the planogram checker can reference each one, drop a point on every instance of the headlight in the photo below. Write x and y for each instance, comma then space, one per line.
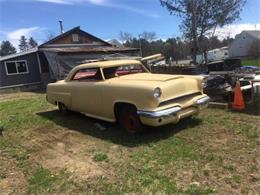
157, 92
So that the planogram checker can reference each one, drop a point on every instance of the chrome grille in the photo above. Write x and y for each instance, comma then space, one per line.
180, 98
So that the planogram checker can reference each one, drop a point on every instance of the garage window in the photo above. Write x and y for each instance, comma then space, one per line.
16, 67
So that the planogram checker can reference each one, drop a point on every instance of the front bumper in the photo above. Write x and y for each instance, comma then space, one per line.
173, 114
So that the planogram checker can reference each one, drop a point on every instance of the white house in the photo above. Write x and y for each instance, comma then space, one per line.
240, 47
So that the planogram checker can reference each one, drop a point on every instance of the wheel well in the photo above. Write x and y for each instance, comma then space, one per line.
119, 106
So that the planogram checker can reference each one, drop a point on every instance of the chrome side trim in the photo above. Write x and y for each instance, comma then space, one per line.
161, 113
203, 100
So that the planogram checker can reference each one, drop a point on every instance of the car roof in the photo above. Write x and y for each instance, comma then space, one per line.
101, 64
109, 63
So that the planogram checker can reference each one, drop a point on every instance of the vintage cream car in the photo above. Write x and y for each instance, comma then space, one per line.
125, 91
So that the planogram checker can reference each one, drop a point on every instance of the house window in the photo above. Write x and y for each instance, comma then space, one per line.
11, 67
75, 37
16, 67
21, 66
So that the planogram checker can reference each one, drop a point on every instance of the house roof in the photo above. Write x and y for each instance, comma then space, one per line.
253, 33
71, 31
116, 43
33, 50
88, 49
98, 45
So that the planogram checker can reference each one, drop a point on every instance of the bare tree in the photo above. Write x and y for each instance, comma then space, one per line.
148, 36
125, 37
199, 17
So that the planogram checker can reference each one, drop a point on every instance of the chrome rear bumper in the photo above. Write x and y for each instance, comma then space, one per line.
171, 111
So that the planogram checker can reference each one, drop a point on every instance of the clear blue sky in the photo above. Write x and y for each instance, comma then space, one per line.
103, 18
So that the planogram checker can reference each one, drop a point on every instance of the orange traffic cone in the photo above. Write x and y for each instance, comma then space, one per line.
238, 103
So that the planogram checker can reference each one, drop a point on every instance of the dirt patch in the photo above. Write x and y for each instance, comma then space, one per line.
12, 180
64, 150
219, 137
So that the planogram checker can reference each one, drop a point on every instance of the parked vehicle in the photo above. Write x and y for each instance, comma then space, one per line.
126, 92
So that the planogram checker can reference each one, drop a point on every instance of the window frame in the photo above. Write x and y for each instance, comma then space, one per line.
86, 80
144, 69
16, 64
75, 38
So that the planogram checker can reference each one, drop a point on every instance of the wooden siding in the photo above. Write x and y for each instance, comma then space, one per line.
68, 39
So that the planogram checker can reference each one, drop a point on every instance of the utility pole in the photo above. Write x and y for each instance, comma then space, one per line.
140, 46
194, 30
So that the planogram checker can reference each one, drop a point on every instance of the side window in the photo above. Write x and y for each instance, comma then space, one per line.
16, 67
11, 68
21, 66
129, 69
88, 74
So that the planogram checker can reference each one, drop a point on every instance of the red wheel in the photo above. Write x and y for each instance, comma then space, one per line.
129, 120
63, 108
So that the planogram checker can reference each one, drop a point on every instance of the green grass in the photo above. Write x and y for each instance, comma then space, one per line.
42, 180
251, 62
100, 157
165, 160
236, 178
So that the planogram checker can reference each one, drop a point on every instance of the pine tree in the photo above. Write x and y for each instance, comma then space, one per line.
6, 48
32, 43
23, 46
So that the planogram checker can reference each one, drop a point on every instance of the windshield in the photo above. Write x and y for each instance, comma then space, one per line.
112, 72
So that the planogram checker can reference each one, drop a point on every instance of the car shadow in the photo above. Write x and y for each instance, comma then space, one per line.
112, 132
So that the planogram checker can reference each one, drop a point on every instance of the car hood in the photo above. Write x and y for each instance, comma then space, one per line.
150, 77
171, 85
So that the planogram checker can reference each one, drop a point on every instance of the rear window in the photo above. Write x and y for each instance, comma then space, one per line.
122, 70
88, 74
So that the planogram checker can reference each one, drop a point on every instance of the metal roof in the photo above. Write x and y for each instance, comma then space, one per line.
87, 49
33, 50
